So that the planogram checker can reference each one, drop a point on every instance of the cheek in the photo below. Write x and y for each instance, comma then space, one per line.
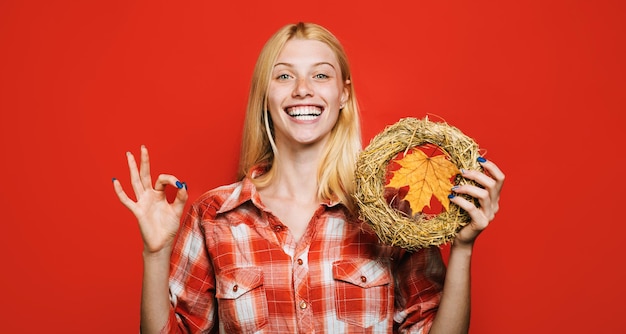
274, 99
271, 103
333, 95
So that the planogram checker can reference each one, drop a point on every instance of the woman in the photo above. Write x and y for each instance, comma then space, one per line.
282, 250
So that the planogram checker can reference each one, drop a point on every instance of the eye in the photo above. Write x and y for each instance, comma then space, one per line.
283, 76
321, 76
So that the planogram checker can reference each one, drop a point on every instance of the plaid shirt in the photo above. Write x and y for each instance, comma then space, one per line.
235, 268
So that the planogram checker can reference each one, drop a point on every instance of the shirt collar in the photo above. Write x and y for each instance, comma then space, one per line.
246, 191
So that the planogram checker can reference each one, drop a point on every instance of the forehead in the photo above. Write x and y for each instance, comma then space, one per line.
306, 51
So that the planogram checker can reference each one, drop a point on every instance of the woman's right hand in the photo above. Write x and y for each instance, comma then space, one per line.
158, 219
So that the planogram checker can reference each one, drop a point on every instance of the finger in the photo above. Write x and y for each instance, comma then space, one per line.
479, 193
144, 168
498, 176
486, 204
479, 220
479, 177
166, 179
181, 198
121, 194
495, 172
135, 179
181, 195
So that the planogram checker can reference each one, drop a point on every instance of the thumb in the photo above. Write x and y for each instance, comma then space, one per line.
181, 197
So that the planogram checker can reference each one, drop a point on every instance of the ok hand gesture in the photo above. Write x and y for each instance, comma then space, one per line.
158, 219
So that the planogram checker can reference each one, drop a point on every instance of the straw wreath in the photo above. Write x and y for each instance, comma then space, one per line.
392, 226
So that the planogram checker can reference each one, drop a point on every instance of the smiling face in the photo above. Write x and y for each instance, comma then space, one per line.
305, 94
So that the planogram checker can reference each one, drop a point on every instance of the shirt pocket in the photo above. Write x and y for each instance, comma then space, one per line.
361, 291
242, 303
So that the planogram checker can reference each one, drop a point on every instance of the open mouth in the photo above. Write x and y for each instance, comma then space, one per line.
304, 113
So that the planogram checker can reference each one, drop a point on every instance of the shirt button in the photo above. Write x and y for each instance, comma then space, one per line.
235, 288
303, 305
300, 262
363, 279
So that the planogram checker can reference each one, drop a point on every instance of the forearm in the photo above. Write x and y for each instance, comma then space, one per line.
453, 315
155, 302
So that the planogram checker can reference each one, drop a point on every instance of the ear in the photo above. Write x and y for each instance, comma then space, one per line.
345, 95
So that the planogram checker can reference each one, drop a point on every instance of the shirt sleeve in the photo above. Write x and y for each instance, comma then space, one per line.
192, 281
419, 282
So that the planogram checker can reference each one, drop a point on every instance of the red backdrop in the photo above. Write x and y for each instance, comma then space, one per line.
538, 84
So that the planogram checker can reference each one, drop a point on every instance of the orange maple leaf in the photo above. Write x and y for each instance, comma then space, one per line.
426, 177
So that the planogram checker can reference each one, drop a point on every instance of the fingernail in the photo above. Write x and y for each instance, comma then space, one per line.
451, 196
481, 159
113, 180
179, 185
455, 188
185, 185
463, 170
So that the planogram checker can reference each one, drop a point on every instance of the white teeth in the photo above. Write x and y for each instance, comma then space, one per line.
306, 113
306, 117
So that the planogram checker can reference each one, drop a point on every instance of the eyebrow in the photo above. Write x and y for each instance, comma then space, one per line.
314, 65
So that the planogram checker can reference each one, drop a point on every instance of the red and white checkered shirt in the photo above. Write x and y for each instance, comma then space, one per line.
236, 268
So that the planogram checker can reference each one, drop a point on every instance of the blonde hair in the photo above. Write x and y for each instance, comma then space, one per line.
336, 169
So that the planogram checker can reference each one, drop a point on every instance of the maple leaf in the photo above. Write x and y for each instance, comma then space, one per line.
426, 177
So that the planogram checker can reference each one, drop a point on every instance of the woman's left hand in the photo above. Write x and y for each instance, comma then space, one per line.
488, 197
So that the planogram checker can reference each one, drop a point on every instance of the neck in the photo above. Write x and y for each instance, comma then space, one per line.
296, 174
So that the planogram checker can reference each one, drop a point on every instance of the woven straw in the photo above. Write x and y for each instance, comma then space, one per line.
394, 227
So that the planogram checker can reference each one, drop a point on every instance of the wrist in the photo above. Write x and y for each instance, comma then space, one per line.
462, 247
163, 253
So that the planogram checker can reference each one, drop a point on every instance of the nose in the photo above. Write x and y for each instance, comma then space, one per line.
302, 88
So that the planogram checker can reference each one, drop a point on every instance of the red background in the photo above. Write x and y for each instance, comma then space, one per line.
538, 84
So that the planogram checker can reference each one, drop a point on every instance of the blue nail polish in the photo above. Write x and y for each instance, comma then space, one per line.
481, 159
113, 180
185, 185
179, 185
455, 188
451, 196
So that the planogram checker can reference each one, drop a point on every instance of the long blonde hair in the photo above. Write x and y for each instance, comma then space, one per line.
336, 169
